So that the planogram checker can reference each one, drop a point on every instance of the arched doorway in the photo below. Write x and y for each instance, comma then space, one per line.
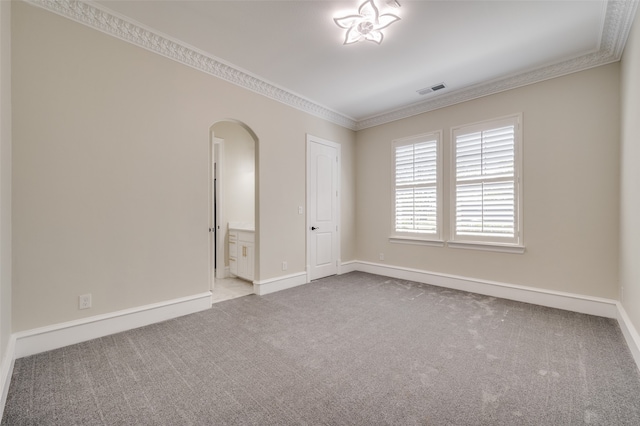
234, 207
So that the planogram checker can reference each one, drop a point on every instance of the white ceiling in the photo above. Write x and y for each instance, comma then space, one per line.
475, 47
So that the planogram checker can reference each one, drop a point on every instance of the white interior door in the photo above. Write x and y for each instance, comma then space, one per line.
323, 160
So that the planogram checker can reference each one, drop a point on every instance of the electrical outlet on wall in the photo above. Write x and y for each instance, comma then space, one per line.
84, 301
284, 265
381, 256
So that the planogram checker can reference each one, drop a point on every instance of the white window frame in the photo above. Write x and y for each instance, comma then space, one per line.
419, 238
492, 243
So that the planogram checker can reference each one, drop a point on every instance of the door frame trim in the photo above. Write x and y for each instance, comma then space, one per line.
216, 144
314, 139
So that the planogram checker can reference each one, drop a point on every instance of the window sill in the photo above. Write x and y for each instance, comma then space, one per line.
416, 241
502, 248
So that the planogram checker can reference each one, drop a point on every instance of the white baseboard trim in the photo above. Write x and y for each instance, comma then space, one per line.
6, 371
43, 339
347, 267
279, 283
553, 299
222, 273
630, 333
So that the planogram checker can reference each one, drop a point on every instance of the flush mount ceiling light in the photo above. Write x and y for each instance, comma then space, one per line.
368, 23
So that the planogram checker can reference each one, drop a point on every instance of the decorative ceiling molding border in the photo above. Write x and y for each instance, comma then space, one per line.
96, 17
617, 25
618, 20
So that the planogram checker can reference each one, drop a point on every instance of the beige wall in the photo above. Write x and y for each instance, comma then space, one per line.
5, 178
570, 180
630, 177
110, 177
110, 172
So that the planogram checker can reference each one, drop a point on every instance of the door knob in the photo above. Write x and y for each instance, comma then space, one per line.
313, 228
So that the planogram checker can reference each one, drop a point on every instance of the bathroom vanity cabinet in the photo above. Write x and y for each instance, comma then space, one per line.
241, 252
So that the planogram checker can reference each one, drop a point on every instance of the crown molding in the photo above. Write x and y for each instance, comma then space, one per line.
619, 17
617, 25
103, 20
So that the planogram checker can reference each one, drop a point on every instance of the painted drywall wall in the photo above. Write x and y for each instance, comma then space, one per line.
111, 170
630, 177
5, 179
570, 180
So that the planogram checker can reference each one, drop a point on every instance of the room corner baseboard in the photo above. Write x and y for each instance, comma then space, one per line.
43, 339
289, 281
630, 333
552, 299
6, 371
347, 267
279, 283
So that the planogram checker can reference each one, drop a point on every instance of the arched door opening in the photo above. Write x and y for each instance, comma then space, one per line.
234, 209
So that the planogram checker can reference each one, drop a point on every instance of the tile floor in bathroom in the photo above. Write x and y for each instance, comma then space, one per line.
230, 288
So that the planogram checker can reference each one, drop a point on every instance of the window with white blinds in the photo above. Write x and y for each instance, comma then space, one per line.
417, 186
486, 182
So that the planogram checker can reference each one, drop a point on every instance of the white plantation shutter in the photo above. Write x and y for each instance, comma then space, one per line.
486, 182
416, 201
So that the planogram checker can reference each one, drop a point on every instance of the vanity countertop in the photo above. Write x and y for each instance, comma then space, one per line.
242, 226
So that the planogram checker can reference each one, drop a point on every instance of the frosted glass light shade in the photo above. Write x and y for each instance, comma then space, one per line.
367, 24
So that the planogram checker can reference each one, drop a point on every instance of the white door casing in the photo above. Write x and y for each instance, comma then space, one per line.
323, 165
216, 237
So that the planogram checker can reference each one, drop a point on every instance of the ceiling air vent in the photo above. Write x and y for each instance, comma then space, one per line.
431, 89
